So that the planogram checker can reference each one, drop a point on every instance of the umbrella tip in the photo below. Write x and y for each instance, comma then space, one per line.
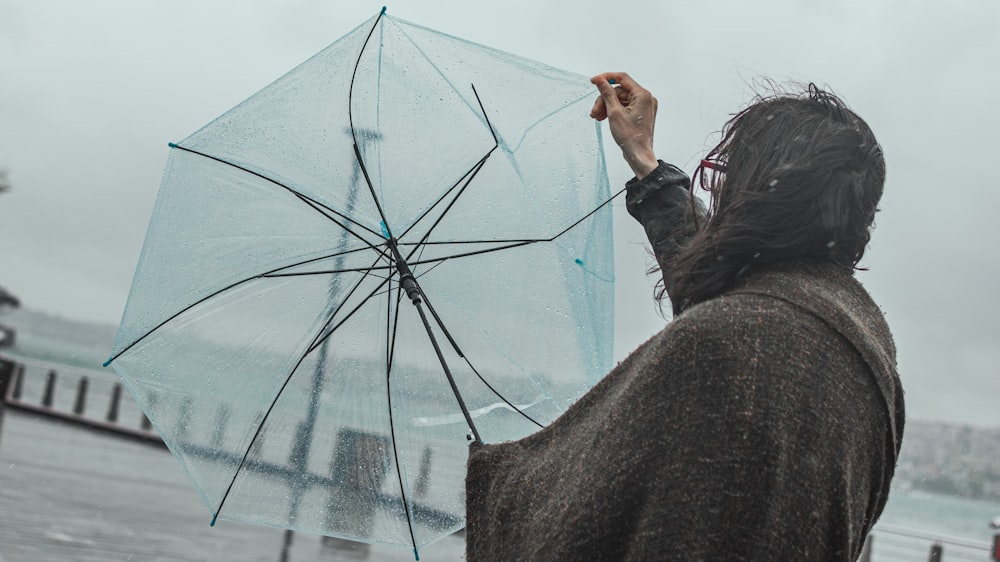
611, 80
172, 145
214, 517
108, 362
415, 554
383, 10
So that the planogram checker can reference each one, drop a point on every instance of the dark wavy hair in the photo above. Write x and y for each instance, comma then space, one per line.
802, 179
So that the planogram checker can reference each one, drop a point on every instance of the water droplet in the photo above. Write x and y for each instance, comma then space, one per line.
831, 243
773, 182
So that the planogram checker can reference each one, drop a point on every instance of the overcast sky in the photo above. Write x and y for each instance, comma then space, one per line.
91, 92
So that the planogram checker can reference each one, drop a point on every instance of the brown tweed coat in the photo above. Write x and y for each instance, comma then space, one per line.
763, 424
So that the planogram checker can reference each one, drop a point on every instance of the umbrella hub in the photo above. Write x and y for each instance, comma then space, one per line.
406, 279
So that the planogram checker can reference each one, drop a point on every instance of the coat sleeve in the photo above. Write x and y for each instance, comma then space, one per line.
663, 205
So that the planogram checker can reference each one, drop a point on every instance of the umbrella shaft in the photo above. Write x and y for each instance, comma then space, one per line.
447, 372
409, 284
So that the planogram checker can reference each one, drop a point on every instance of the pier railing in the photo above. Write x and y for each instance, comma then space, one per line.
86, 397
889, 543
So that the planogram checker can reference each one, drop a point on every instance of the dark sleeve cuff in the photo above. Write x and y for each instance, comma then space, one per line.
658, 184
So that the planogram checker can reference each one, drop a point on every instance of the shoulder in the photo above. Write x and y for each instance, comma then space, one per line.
810, 332
744, 345
799, 295
755, 365
738, 323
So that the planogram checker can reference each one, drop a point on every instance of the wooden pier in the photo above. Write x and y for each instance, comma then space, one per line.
92, 399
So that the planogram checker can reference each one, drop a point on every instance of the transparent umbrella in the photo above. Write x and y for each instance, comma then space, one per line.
401, 245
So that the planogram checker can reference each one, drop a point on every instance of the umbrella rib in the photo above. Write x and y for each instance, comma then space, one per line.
391, 343
371, 189
467, 176
508, 244
500, 396
471, 174
277, 272
483, 241
428, 270
317, 341
391, 337
458, 350
267, 274
354, 135
496, 141
316, 205
447, 81
354, 74
478, 252
588, 215
322, 208
329, 271
360, 159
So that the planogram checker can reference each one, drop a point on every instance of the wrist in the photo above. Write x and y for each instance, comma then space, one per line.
642, 163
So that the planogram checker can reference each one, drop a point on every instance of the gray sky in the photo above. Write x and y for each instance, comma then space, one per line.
91, 92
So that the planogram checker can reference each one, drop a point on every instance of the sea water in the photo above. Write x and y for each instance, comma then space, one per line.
948, 515
914, 520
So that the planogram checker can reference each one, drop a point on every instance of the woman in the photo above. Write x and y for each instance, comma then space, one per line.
764, 422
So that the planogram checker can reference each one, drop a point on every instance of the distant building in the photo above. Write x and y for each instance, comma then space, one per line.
7, 334
8, 300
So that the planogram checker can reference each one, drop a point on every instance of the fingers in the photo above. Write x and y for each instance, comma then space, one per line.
622, 79
625, 80
599, 111
608, 98
617, 90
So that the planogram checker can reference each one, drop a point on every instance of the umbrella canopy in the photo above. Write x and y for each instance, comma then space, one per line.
399, 246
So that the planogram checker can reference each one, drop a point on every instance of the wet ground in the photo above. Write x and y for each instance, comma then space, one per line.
70, 494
